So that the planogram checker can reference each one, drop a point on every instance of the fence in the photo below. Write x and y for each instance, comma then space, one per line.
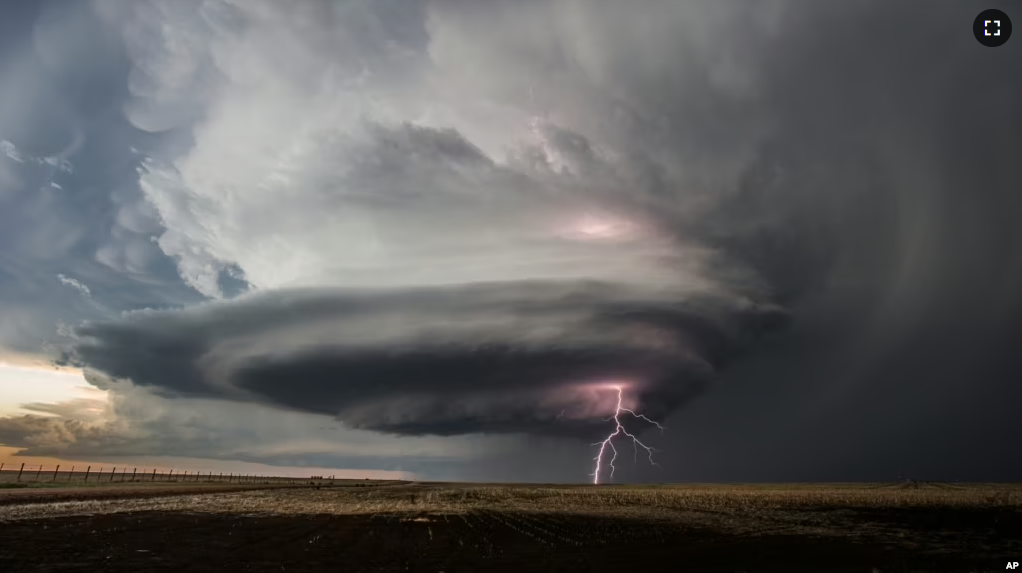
39, 473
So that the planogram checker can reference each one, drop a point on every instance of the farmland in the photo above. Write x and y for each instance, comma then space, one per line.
400, 526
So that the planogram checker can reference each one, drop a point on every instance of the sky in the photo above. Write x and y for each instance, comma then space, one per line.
441, 238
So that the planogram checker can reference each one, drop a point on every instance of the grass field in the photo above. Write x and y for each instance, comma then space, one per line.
399, 526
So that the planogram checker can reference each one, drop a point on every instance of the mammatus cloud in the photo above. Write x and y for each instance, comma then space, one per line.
69, 199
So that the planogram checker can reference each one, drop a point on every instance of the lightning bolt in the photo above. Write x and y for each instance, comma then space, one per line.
619, 429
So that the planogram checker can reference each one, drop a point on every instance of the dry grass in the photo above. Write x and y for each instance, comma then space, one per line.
717, 503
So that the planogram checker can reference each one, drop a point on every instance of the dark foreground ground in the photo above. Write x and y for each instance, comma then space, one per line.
465, 529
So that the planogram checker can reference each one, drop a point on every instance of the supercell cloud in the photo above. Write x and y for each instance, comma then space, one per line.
444, 217
527, 357
443, 232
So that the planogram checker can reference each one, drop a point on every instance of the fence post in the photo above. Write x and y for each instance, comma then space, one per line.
154, 475
1, 467
133, 474
112, 473
185, 476
87, 470
21, 470
55, 473
39, 471
170, 474
71, 473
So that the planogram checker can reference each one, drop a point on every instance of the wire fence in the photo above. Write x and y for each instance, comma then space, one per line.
102, 474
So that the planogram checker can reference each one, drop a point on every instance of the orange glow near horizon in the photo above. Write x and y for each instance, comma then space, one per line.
25, 383
26, 380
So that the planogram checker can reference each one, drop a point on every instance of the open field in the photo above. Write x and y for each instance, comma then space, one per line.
457, 527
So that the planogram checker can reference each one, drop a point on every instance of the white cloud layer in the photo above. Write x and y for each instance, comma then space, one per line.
303, 171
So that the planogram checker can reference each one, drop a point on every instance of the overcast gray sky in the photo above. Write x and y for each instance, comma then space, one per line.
438, 236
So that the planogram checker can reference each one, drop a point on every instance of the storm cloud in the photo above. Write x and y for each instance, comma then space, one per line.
530, 357
469, 183
447, 217
515, 259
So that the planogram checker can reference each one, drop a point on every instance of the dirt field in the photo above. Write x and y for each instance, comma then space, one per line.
460, 528
115, 492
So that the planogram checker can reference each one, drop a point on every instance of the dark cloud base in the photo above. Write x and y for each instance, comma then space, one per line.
500, 358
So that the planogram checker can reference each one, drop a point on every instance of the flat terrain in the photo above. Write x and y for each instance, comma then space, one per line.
113, 492
399, 526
